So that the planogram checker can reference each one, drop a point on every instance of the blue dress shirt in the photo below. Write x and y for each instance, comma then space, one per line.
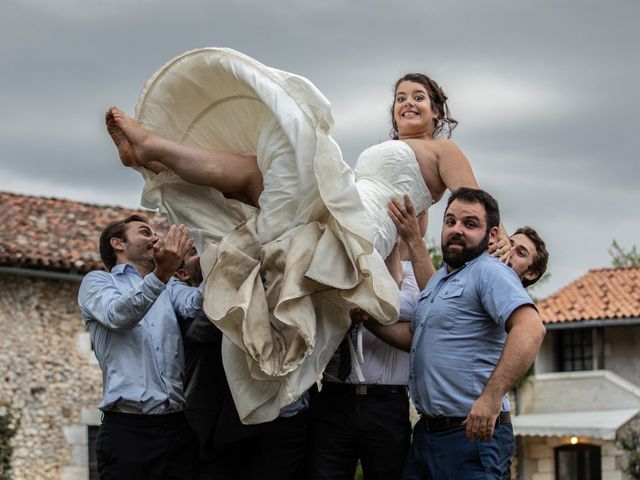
459, 334
136, 338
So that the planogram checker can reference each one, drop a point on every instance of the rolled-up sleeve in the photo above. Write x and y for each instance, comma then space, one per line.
102, 300
186, 300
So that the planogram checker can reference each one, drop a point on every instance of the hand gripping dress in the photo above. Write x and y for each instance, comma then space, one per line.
282, 278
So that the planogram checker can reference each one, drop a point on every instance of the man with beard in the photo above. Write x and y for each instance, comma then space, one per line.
131, 312
475, 332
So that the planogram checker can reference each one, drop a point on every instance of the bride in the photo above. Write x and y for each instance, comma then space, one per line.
291, 238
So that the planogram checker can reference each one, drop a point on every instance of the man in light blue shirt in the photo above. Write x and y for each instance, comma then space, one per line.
475, 332
131, 313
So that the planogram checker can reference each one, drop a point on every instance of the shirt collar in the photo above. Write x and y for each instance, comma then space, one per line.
124, 268
470, 262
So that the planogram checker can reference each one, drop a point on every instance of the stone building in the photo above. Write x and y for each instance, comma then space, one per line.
585, 394
50, 378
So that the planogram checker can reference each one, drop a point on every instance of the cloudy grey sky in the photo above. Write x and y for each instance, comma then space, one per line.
545, 92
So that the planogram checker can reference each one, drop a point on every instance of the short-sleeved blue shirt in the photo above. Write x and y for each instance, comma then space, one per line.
459, 333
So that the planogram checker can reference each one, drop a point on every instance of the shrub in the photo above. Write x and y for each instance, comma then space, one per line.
631, 444
8, 427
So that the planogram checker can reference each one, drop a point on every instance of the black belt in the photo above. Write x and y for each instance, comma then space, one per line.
174, 418
442, 424
363, 390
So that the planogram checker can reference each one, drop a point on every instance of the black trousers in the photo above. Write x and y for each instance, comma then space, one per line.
140, 447
347, 427
277, 452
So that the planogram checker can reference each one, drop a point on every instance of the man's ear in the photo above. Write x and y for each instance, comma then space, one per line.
531, 275
117, 244
182, 275
493, 235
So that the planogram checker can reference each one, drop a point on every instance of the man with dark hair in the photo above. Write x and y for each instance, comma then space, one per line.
115, 229
475, 332
529, 255
277, 448
131, 314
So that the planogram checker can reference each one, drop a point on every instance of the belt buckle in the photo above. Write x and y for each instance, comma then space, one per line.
361, 389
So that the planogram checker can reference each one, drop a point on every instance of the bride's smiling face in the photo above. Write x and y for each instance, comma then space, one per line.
412, 110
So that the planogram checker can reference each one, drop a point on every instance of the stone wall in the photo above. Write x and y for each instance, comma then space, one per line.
49, 377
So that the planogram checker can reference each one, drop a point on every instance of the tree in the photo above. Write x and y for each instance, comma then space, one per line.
434, 252
621, 257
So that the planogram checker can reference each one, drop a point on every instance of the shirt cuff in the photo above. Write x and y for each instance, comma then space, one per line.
152, 286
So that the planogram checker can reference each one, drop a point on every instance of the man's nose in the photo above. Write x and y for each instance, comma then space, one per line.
457, 228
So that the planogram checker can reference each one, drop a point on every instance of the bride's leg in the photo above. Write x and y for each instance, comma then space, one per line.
227, 172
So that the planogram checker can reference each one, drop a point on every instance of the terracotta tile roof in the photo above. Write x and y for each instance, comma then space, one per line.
57, 235
607, 293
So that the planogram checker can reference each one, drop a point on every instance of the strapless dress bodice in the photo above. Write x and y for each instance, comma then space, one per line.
384, 171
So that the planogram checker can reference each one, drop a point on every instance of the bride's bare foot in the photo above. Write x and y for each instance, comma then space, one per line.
127, 154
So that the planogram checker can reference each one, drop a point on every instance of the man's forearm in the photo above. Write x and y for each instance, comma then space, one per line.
398, 335
420, 262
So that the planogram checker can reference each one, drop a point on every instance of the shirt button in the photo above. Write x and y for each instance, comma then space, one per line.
157, 348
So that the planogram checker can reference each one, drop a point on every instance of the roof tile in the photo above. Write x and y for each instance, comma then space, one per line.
56, 234
601, 294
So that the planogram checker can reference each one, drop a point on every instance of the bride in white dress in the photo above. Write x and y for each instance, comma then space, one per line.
290, 237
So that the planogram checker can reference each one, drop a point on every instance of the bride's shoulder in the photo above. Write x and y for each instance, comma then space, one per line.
438, 148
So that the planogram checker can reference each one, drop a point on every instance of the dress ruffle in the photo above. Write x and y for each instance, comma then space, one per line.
280, 279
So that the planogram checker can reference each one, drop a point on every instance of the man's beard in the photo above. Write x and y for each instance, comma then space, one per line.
143, 257
456, 259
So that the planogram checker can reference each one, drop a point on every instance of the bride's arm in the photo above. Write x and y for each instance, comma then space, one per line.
455, 172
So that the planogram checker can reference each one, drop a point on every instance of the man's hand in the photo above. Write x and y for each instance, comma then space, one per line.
404, 217
359, 316
169, 252
482, 417
501, 248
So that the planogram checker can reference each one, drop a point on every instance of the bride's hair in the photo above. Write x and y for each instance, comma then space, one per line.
444, 124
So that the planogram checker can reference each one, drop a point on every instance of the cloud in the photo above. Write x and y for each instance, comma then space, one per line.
546, 94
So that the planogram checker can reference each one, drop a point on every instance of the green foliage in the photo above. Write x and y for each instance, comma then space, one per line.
631, 444
358, 475
8, 427
435, 252
621, 257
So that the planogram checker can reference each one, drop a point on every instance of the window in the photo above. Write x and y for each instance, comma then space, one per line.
93, 462
578, 462
576, 350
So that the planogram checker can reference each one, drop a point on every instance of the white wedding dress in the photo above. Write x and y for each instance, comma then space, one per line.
282, 278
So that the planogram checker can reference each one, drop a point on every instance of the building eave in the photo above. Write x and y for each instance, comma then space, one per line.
599, 322
46, 274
